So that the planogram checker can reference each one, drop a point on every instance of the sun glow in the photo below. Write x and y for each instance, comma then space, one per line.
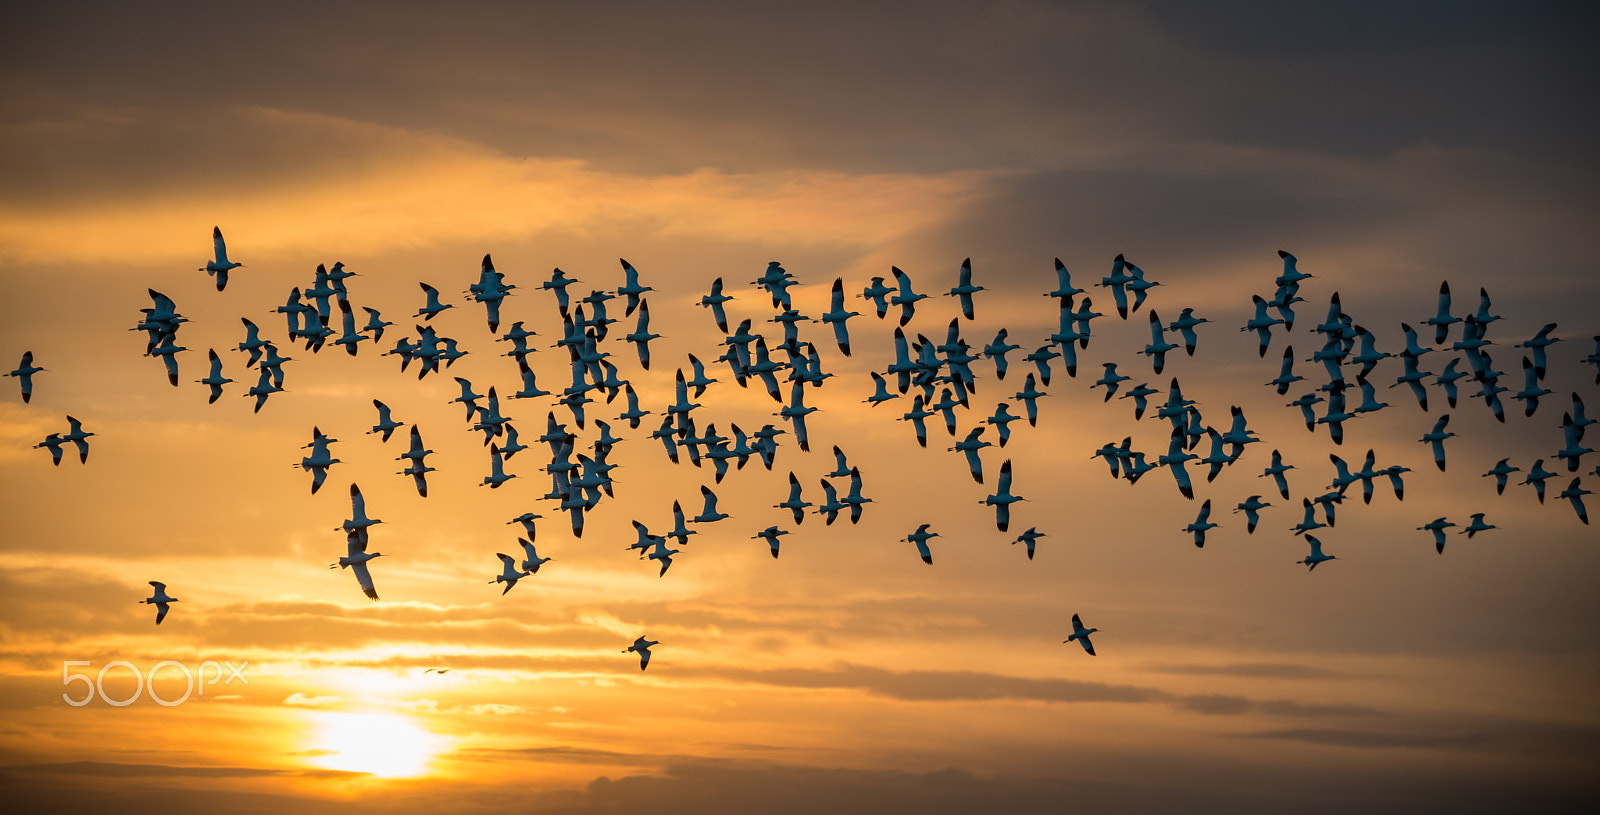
382, 744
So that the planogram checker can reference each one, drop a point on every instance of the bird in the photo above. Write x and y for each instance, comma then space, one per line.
1002, 499
1574, 494
906, 299
1537, 475
1476, 526
794, 503
1251, 508
642, 647
1437, 526
1276, 471
219, 266
386, 423
770, 535
356, 561
433, 306
159, 599
1029, 396
1158, 347
964, 289
920, 538
1435, 439
970, 446
1442, 321
1201, 524
709, 513
215, 378
79, 438
1064, 289
1029, 537
837, 315
24, 374
631, 288
1080, 633
1316, 555
1262, 324
854, 499
417, 469
714, 301
1185, 325
508, 574
1501, 471
358, 522
52, 442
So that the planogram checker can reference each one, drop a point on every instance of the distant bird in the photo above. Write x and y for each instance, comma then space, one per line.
159, 599
417, 469
709, 513
219, 266
1064, 289
1029, 537
1029, 396
320, 459
837, 315
906, 299
1002, 499
508, 573
770, 535
854, 499
1537, 475
356, 561
964, 289
920, 538
642, 647
1201, 525
1080, 633
714, 301
53, 443
358, 522
1437, 526
877, 293
1185, 325
970, 446
375, 324
1435, 439
1158, 347
433, 306
215, 378
386, 423
1316, 555
79, 437
24, 373
1251, 507
631, 288
1476, 526
1574, 493
1442, 321
794, 503
1262, 324
1501, 470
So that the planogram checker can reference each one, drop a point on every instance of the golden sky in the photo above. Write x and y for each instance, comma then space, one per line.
1390, 147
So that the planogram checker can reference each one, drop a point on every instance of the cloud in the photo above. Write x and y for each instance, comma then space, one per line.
301, 700
368, 187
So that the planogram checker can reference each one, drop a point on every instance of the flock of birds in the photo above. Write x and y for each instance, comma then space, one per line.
938, 376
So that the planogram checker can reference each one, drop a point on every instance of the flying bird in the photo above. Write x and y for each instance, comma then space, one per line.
219, 266
159, 598
1080, 633
642, 647
24, 374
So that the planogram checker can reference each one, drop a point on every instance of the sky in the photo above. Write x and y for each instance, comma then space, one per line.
1389, 146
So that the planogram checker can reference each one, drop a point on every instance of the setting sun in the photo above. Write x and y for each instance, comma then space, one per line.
382, 744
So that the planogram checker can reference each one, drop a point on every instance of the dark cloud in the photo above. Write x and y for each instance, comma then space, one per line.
867, 88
